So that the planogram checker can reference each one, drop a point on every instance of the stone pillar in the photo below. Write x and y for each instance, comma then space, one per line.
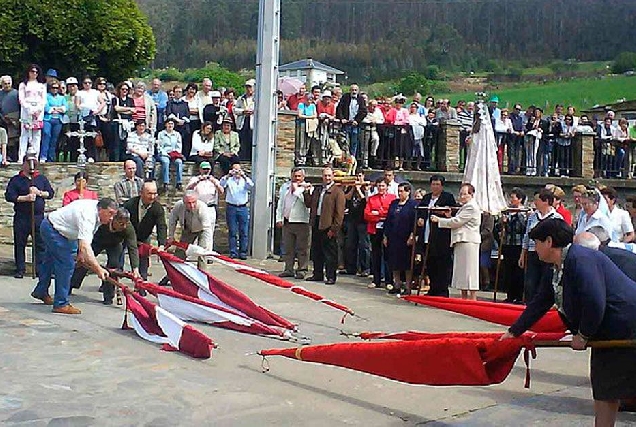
583, 155
448, 147
285, 142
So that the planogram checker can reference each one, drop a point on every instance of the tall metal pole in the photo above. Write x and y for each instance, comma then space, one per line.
263, 143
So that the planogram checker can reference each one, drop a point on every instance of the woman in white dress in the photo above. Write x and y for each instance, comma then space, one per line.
32, 98
465, 240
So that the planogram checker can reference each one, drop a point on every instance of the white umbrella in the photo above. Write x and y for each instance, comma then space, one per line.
289, 85
482, 169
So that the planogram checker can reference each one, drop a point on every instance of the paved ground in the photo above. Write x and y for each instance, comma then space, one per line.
58, 370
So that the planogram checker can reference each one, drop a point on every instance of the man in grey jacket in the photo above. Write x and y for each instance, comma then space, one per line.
194, 217
293, 217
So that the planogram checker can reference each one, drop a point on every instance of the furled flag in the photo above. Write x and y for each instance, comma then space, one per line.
196, 251
194, 309
500, 313
187, 279
417, 335
443, 360
158, 325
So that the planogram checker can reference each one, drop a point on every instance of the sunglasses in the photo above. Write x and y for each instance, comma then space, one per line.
88, 83
101, 83
55, 87
33, 71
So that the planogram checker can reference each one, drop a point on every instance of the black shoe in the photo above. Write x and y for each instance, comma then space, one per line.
313, 278
179, 187
286, 274
108, 301
164, 282
101, 288
299, 275
393, 291
330, 282
19, 275
142, 292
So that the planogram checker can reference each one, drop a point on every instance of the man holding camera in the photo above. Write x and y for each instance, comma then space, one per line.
237, 187
208, 189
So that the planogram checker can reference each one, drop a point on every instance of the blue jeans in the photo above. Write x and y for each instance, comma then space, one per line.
353, 132
58, 259
238, 218
165, 169
50, 135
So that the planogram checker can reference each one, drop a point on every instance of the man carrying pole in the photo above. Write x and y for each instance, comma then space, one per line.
28, 191
596, 301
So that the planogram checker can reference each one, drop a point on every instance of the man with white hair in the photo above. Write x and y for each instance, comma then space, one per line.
204, 96
592, 215
194, 217
624, 259
160, 98
9, 109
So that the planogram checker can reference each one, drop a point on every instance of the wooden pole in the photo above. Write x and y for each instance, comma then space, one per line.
590, 344
501, 239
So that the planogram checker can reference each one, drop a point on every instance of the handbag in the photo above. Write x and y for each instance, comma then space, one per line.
99, 140
174, 155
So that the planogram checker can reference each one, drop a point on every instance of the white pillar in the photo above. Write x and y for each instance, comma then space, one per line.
263, 143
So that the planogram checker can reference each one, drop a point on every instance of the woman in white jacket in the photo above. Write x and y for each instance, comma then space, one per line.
465, 240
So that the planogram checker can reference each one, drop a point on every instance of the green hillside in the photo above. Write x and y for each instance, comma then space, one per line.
582, 93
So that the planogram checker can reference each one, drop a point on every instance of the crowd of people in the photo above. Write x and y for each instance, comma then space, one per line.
400, 238
67, 240
392, 132
125, 121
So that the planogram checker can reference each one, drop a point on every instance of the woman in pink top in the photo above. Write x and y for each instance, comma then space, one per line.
80, 191
32, 98
402, 148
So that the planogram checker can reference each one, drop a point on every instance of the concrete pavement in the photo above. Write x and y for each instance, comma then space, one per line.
60, 370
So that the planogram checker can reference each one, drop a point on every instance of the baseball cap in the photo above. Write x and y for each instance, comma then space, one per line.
205, 165
71, 81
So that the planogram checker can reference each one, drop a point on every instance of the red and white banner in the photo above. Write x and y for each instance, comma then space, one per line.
194, 309
158, 325
187, 279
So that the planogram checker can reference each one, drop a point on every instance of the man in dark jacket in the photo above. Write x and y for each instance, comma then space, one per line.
597, 301
111, 238
438, 257
351, 110
146, 214
327, 204
27, 188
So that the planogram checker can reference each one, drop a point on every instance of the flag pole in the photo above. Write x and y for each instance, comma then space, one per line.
590, 344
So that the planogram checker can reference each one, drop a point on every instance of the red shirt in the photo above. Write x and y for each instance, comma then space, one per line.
380, 204
294, 100
72, 195
565, 213
329, 109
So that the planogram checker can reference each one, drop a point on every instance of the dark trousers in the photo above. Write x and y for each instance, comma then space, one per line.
245, 136
21, 233
324, 253
357, 248
114, 261
535, 269
512, 273
440, 273
378, 258
226, 162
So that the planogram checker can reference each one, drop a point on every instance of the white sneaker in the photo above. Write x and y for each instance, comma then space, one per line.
42, 160
91, 160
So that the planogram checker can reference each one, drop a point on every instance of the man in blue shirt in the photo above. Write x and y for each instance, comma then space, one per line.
237, 187
161, 101
24, 189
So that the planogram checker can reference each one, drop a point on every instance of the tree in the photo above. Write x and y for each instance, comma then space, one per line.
413, 83
625, 61
99, 37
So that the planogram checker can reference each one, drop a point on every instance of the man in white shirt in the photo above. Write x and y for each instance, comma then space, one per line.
292, 215
592, 215
62, 231
207, 188
622, 226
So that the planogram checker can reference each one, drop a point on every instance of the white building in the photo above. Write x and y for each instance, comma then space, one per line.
310, 71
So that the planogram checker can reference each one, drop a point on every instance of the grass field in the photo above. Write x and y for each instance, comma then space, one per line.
582, 93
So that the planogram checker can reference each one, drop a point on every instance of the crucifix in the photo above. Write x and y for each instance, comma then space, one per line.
81, 134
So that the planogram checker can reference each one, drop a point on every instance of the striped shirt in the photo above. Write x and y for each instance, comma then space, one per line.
534, 219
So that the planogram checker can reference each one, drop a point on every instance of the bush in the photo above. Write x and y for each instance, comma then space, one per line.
219, 75
412, 83
432, 72
169, 74
625, 61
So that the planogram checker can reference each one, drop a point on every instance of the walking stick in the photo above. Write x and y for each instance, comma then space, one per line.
590, 344
414, 277
31, 155
501, 239
426, 251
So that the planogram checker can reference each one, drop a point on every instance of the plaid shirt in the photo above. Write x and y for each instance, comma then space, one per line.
534, 218
514, 229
